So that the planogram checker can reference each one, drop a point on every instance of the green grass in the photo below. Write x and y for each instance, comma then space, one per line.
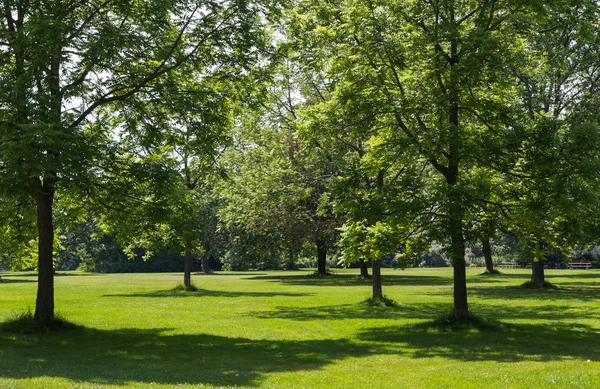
291, 330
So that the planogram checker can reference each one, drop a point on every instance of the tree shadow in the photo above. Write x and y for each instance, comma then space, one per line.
568, 291
21, 275
355, 280
508, 343
115, 357
220, 273
355, 311
428, 311
14, 280
581, 274
57, 274
207, 293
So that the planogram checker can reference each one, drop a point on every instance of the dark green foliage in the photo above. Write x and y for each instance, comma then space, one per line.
248, 250
85, 248
433, 258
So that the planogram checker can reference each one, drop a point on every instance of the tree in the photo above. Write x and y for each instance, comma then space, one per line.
277, 189
63, 61
555, 148
181, 123
281, 183
437, 75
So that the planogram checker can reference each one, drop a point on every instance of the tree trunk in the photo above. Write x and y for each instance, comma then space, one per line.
321, 257
44, 305
364, 268
206, 264
537, 272
487, 253
291, 261
455, 211
377, 291
187, 270
461, 307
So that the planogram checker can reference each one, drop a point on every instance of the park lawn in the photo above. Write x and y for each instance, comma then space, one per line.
291, 330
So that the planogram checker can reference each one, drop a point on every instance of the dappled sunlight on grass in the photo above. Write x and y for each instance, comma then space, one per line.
288, 329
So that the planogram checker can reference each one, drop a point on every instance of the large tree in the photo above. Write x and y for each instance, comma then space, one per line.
437, 76
62, 61
555, 145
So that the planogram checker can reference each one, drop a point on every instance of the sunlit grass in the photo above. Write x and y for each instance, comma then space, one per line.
291, 330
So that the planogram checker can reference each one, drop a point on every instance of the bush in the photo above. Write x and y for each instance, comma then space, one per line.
433, 258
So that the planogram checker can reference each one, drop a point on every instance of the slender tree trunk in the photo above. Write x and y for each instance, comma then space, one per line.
206, 258
187, 270
537, 272
377, 290
364, 268
206, 264
44, 305
487, 253
461, 307
291, 262
321, 257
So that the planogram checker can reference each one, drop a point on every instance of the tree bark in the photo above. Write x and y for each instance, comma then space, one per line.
377, 290
487, 253
187, 270
206, 264
321, 257
455, 211
461, 307
537, 272
291, 262
364, 268
44, 304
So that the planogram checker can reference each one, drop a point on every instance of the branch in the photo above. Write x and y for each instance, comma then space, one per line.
161, 69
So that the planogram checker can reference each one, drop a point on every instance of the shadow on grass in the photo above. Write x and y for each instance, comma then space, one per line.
561, 291
581, 274
352, 280
11, 280
363, 310
57, 274
508, 343
207, 293
228, 273
429, 311
116, 357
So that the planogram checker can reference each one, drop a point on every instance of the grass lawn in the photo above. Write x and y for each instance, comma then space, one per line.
290, 330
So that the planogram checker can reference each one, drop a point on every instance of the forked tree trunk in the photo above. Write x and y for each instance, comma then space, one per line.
187, 270
377, 290
321, 257
487, 253
44, 304
364, 268
537, 272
